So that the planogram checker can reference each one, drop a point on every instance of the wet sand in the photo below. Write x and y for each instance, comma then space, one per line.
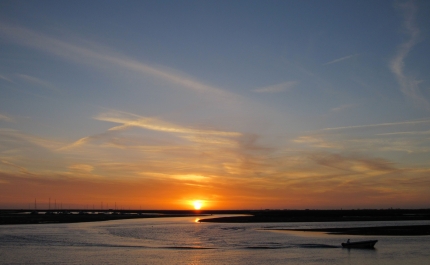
410, 230
340, 216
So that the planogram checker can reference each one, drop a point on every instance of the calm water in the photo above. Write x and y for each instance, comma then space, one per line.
183, 241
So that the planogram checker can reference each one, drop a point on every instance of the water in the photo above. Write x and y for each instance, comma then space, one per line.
183, 241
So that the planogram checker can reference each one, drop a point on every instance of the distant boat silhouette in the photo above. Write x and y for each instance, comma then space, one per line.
360, 244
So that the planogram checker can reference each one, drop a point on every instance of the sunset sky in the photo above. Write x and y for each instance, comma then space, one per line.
238, 104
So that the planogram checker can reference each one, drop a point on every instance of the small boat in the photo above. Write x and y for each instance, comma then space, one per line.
360, 244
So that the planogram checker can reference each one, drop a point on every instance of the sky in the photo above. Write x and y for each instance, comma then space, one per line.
236, 104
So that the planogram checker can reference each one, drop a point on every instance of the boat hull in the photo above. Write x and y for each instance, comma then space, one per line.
360, 244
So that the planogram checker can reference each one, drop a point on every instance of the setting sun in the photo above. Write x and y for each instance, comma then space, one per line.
197, 205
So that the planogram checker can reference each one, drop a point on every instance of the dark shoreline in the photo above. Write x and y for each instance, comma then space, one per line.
409, 230
20, 219
274, 216
9, 217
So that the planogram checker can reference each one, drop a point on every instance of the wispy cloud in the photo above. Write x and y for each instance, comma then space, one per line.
220, 171
343, 107
133, 120
378, 125
409, 85
38, 82
372, 145
359, 165
81, 168
96, 55
5, 118
342, 59
366, 143
6, 78
22, 137
129, 120
10, 164
315, 141
277, 88
407, 133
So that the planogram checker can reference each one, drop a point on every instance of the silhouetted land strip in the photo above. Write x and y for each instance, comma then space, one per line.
42, 218
409, 230
247, 216
324, 216
340, 216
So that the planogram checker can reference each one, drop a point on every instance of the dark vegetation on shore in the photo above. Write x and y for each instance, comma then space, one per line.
71, 218
9, 217
247, 216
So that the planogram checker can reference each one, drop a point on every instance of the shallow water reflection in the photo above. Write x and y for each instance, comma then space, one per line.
183, 241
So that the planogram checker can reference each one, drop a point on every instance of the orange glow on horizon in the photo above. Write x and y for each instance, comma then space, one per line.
159, 194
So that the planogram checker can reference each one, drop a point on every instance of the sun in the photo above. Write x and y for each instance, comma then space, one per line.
197, 205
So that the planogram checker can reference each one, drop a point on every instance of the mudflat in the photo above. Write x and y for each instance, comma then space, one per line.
291, 216
409, 230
